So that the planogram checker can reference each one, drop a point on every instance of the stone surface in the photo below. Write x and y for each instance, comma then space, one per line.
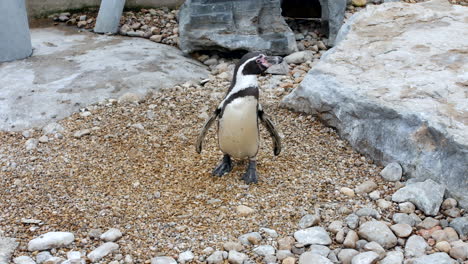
410, 219
309, 257
332, 18
51, 240
235, 25
264, 250
112, 65
392, 172
427, 196
436, 258
313, 236
14, 31
375, 247
216, 258
250, 238
365, 187
402, 230
308, 221
351, 239
415, 246
346, 255
108, 18
365, 258
104, 250
186, 257
23, 260
379, 232
111, 235
7, 247
406, 119
235, 257
393, 257
460, 225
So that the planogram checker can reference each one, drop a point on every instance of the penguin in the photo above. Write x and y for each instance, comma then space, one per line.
238, 116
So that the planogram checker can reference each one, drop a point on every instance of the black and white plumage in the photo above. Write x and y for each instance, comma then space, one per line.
238, 115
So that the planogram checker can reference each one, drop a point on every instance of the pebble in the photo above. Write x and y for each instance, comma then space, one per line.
210, 62
269, 259
282, 254
451, 234
365, 258
393, 257
156, 38
103, 250
340, 236
375, 195
269, 232
320, 250
308, 221
347, 191
392, 172
460, 224
368, 212
55, 260
252, 238
31, 144
235, 257
321, 45
111, 235
427, 196
375, 247
42, 256
129, 98
352, 221
289, 260
23, 260
402, 230
335, 226
384, 204
401, 218
459, 251
235, 246
449, 203
309, 257
215, 258
51, 240
428, 223
351, 239
43, 139
243, 210
415, 246
346, 255
186, 257
313, 235
81, 133
379, 232
299, 57
264, 250
286, 243
365, 187
436, 258
443, 246
52, 128
406, 207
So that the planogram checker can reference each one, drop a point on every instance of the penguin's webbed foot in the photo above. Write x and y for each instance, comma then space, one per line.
224, 167
250, 175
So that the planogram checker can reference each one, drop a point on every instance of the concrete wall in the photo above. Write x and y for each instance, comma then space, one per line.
45, 7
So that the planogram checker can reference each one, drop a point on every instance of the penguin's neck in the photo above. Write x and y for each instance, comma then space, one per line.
243, 82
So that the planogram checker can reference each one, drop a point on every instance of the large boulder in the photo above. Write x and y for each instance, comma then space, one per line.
228, 25
395, 87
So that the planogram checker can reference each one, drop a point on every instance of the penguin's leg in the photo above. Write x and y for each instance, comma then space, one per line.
225, 166
250, 175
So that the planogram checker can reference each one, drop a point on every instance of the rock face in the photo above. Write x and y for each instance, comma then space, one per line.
15, 30
427, 196
7, 247
332, 18
417, 120
228, 25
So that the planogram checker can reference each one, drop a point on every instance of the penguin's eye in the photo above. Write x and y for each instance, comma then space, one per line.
258, 60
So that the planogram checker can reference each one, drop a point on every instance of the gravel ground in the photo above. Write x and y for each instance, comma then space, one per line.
151, 184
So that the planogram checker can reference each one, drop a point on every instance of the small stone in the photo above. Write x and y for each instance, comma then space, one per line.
27, 133
43, 139
361, 243
124, 29
340, 236
401, 218
235, 257
428, 223
269, 232
365, 187
375, 247
129, 98
289, 260
186, 257
253, 238
443, 246
352, 221
452, 212
436, 258
451, 234
375, 195
320, 250
393, 257
313, 235
42, 256
347, 191
379, 232
52, 128
449, 203
439, 235
346, 255
210, 62
359, 3
335, 226
308, 221
415, 246
215, 258
128, 259
156, 38
270, 259
321, 45
243, 210
460, 224
299, 57
282, 254
384, 204
427, 196
31, 144
228, 246
224, 76
95, 233
81, 24
111, 235
392, 172
368, 212
103, 250
309, 257
351, 239
286, 243
459, 252
54, 260
365, 258
51, 240
407, 207
208, 251
81, 133
402, 230
23, 260
264, 250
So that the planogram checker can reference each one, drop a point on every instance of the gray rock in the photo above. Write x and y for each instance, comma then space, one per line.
361, 243
401, 218
216, 258
299, 57
436, 258
379, 232
108, 18
57, 260
111, 235
253, 236
313, 236
104, 250
332, 18
270, 259
51, 240
279, 69
393, 257
14, 31
392, 172
228, 246
460, 224
186, 257
415, 246
365, 187
352, 221
264, 250
351, 239
375, 116
308, 221
234, 25
427, 196
23, 260
335, 226
375, 195
402, 230
365, 258
309, 257
407, 207
31, 144
368, 212
375, 247
269, 232
346, 255
42, 256
282, 254
52, 129
320, 250
81, 133
236, 257
428, 223
449, 203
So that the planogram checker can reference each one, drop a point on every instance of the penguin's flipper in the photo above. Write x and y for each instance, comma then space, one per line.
204, 130
266, 121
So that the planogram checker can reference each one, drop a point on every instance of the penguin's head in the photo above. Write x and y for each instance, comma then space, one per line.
254, 63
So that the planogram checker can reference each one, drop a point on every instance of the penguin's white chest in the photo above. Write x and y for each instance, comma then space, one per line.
238, 129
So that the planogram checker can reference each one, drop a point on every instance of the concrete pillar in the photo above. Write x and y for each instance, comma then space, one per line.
15, 39
109, 16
